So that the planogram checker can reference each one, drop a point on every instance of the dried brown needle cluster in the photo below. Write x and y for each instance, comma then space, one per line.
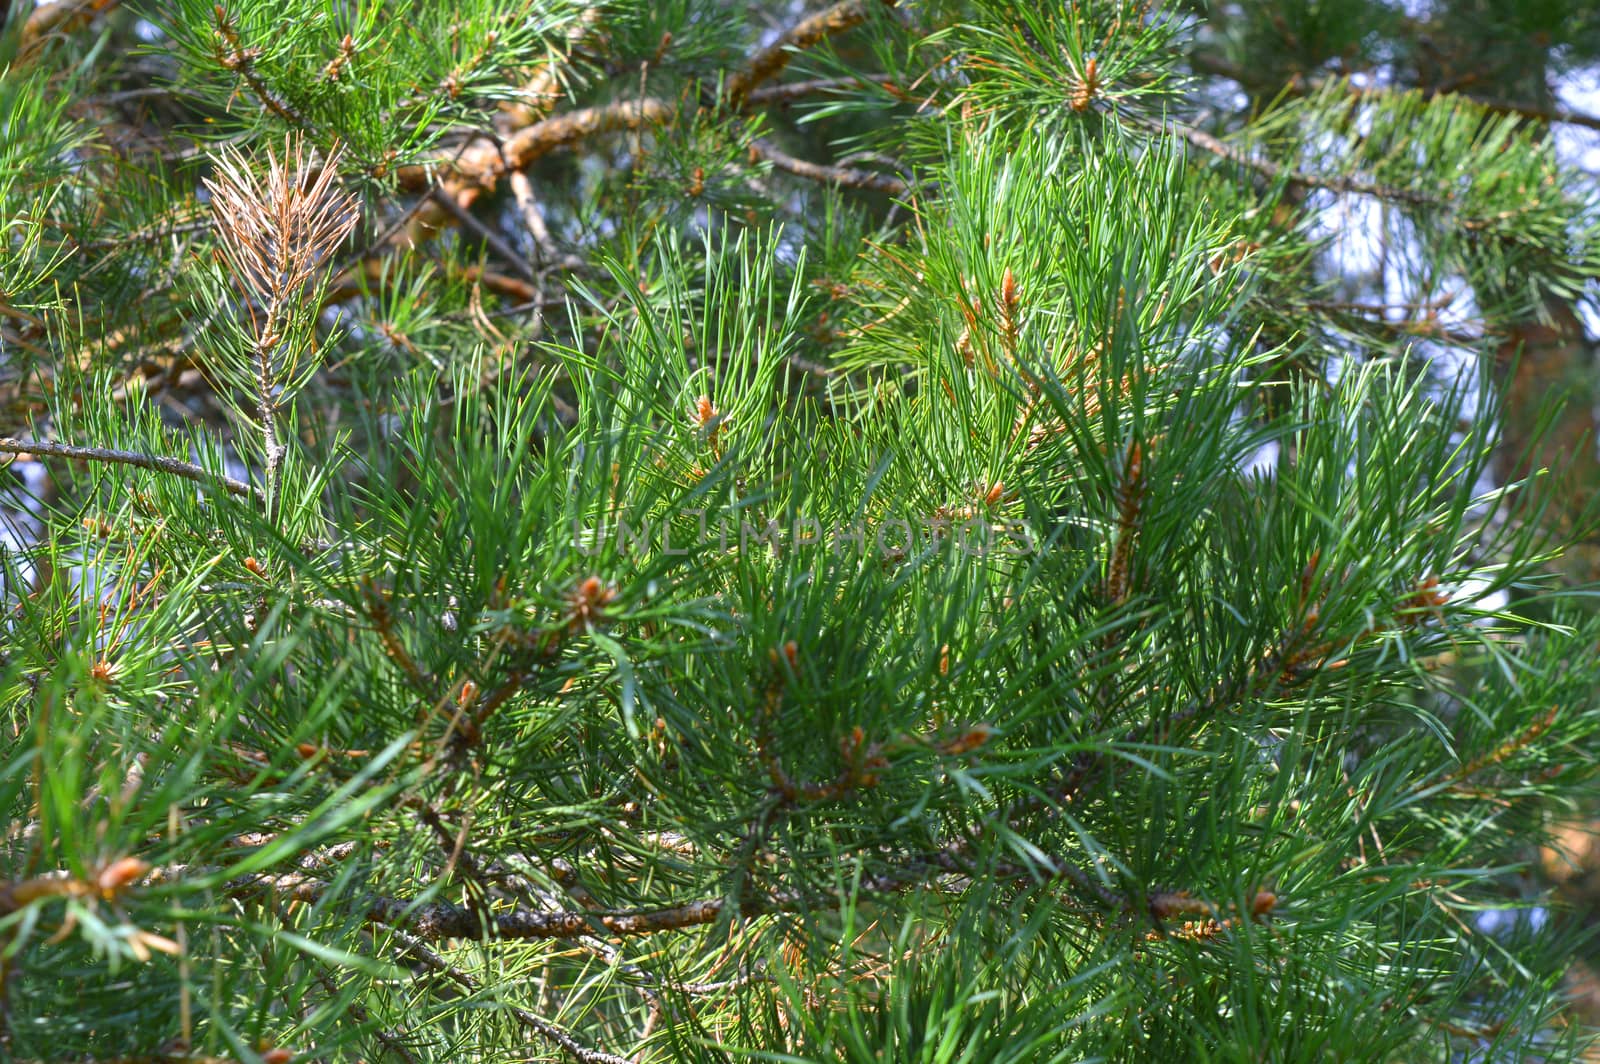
279, 227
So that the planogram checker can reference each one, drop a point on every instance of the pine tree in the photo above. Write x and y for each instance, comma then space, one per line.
680, 531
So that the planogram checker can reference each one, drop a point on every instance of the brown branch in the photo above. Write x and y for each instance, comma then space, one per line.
479, 169
1564, 115
370, 274
156, 463
1130, 495
790, 91
502, 284
770, 61
475, 171
54, 20
442, 920
836, 175
18, 314
1380, 309
541, 138
382, 618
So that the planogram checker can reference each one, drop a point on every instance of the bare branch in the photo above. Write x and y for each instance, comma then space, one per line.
158, 463
834, 175
794, 90
484, 233
532, 216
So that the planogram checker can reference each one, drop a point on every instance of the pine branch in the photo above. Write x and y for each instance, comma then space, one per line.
417, 949
235, 56
390, 1040
553, 875
1298, 86
1275, 172
1372, 319
437, 921
1505, 750
442, 920
475, 171
539, 95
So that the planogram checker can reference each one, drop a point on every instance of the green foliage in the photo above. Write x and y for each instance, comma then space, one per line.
669, 610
